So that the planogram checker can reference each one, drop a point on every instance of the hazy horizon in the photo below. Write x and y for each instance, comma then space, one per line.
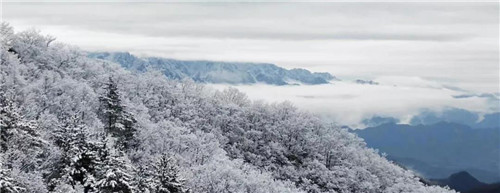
432, 52
451, 43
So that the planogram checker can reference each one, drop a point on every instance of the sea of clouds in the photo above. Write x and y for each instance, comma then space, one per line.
349, 103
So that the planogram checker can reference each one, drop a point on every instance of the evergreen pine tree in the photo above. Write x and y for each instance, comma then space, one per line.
144, 180
118, 122
160, 176
19, 137
7, 183
166, 178
7, 122
14, 130
80, 157
116, 173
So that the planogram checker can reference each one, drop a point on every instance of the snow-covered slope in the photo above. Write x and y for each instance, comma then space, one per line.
76, 124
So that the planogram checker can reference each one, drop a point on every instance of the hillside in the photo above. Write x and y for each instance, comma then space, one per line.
76, 124
216, 72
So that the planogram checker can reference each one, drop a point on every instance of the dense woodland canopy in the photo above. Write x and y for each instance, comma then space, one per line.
70, 123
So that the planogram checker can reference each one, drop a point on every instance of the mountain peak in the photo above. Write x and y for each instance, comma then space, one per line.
463, 176
461, 181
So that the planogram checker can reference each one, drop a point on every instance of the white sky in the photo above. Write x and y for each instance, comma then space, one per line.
452, 44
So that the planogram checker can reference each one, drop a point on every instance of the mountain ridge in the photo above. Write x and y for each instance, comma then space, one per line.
449, 146
464, 182
205, 71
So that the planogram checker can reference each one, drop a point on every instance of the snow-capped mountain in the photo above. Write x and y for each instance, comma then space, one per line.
217, 72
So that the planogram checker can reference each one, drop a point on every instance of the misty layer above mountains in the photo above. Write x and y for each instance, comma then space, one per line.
217, 72
452, 115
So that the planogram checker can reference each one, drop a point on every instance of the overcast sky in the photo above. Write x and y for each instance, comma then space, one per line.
454, 43
430, 46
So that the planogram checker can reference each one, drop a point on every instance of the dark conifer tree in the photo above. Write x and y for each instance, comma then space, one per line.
167, 178
160, 176
7, 183
118, 122
144, 179
19, 135
80, 159
115, 174
11, 123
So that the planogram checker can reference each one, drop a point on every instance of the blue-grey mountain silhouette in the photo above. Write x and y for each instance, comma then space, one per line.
217, 72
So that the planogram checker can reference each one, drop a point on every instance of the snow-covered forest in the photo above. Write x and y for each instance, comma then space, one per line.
70, 123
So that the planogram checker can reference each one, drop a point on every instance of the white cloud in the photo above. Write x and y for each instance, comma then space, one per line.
349, 103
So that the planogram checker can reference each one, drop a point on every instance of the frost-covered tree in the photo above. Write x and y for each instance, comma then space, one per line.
115, 174
118, 122
80, 159
160, 175
20, 141
89, 163
7, 183
15, 131
22, 149
166, 177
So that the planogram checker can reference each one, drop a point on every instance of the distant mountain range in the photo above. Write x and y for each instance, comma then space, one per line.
371, 82
438, 150
217, 72
452, 115
461, 181
460, 116
466, 183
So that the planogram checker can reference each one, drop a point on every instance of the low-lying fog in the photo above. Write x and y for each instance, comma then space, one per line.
348, 103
